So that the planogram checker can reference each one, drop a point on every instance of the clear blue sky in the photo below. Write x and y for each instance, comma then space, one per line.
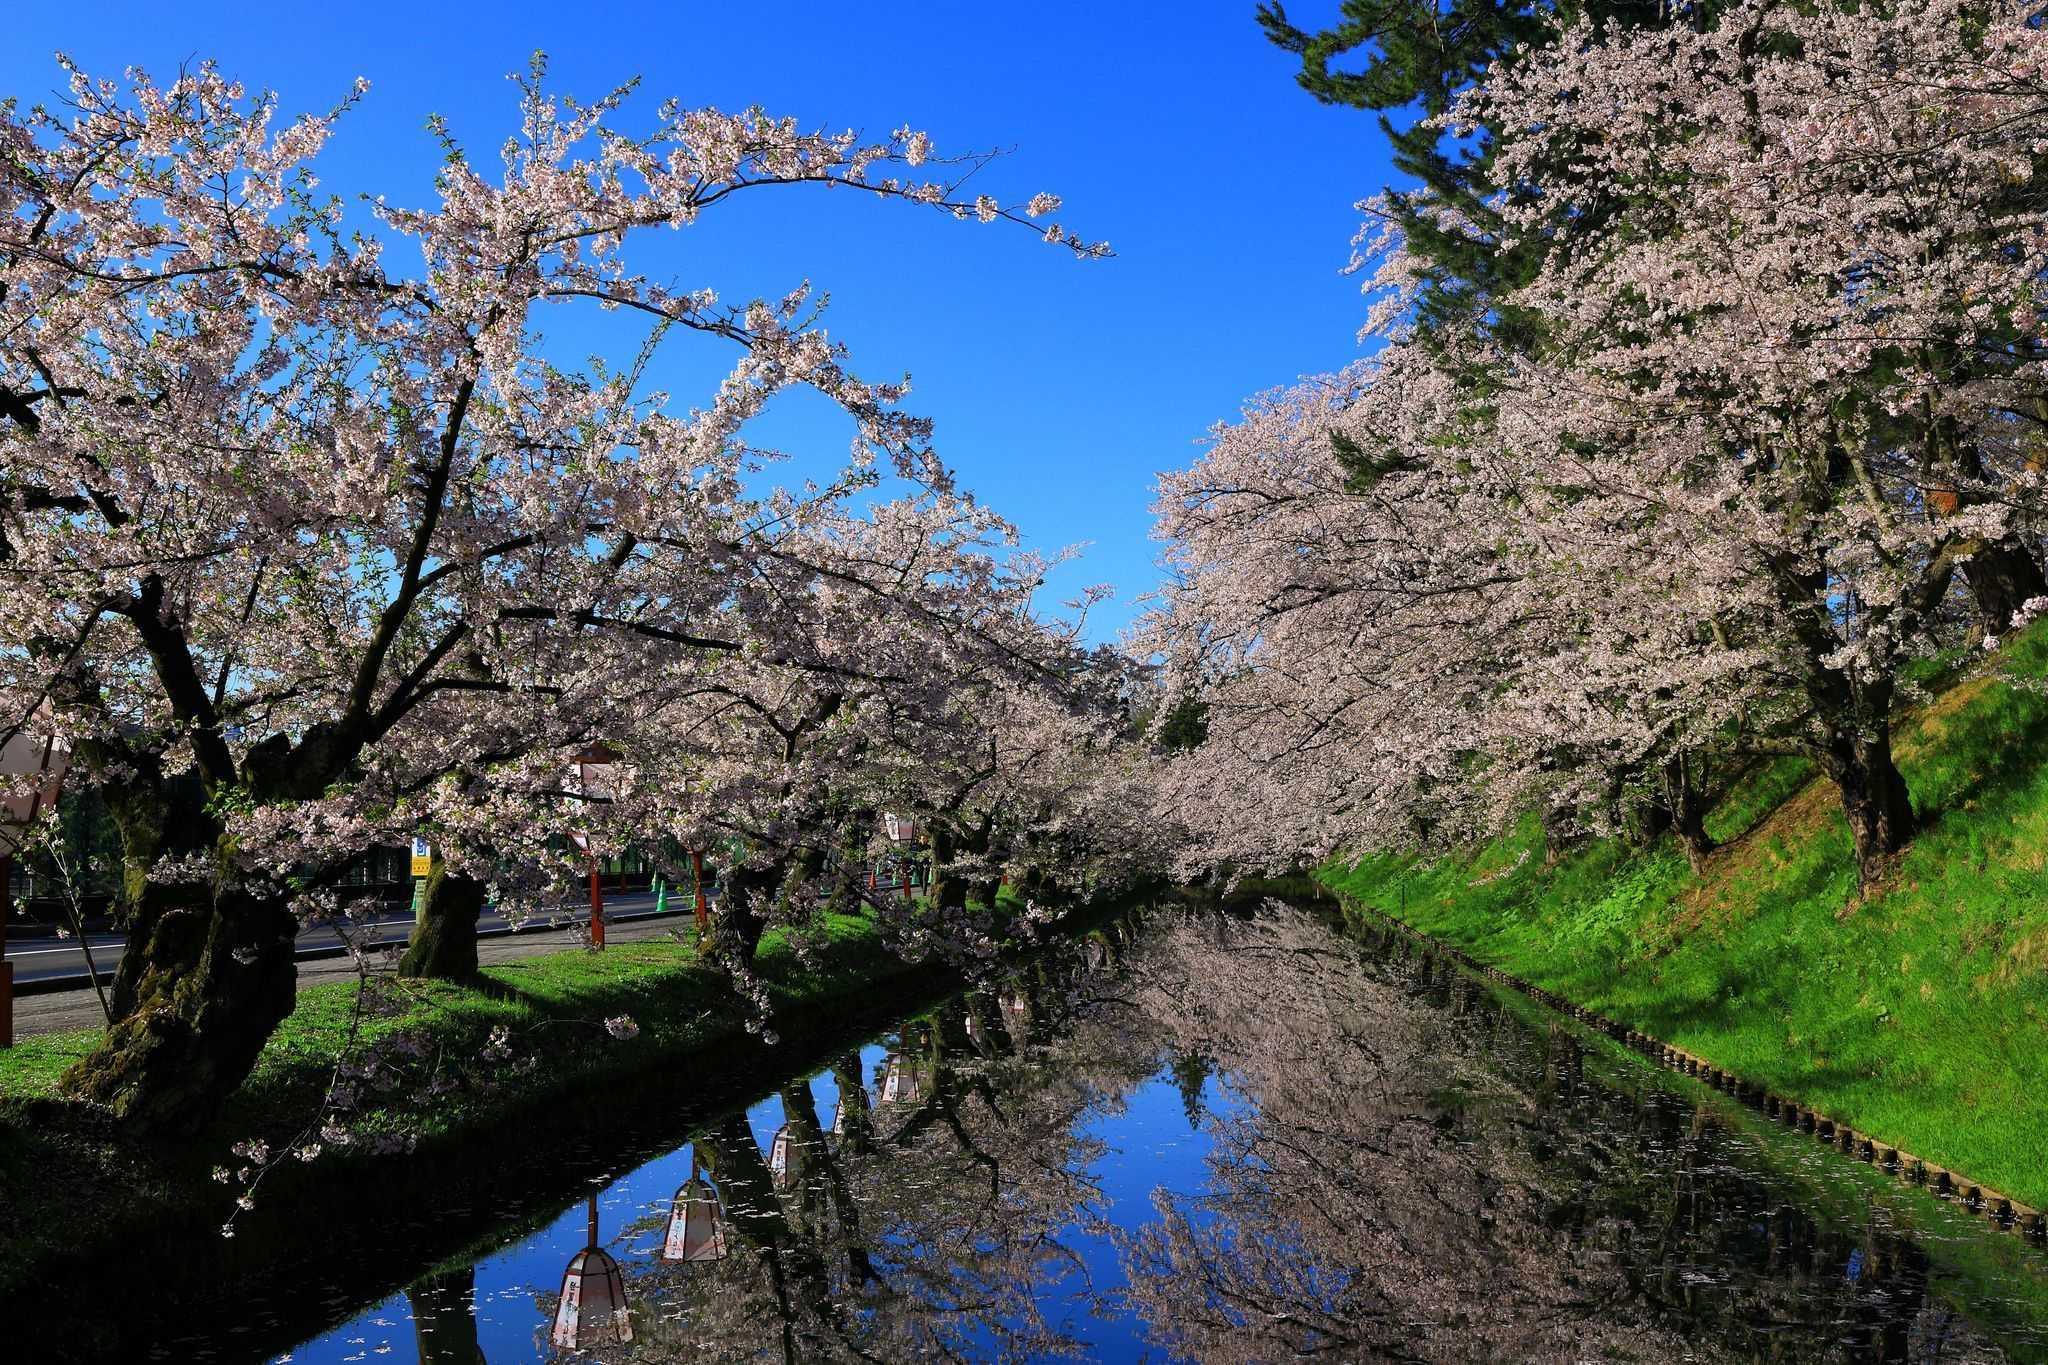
1060, 387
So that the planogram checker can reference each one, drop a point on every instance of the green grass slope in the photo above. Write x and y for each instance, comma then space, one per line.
1918, 1013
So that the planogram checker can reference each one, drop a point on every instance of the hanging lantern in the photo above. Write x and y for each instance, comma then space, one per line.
593, 1309
598, 773
696, 1223
779, 1151
974, 1028
22, 755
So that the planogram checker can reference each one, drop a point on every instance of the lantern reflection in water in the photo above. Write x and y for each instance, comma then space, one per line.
904, 1080
779, 1164
1017, 1015
593, 1309
696, 1223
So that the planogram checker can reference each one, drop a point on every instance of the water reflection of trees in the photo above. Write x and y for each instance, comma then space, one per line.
1419, 1179
1398, 1171
934, 1223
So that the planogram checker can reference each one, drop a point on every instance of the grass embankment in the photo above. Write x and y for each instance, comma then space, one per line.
1917, 1012
76, 1197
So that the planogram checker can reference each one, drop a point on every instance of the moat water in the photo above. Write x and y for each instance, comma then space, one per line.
1204, 1137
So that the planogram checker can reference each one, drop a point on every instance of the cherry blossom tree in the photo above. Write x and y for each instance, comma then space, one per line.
1783, 407
277, 506
1796, 352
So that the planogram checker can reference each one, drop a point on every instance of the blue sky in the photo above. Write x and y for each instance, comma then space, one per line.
1060, 387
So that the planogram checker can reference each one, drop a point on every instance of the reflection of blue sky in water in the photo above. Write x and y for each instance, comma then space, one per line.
1147, 1144
1323, 1202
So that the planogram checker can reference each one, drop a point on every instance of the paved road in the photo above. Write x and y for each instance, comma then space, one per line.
41, 959
80, 1008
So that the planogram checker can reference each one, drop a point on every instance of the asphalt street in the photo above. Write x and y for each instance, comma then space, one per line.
40, 959
80, 1008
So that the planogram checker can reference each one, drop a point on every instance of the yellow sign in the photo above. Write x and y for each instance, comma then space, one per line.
422, 857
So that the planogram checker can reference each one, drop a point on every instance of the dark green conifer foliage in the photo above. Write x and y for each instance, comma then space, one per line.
1411, 58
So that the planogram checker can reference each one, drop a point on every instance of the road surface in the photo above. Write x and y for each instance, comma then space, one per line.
80, 1008
42, 959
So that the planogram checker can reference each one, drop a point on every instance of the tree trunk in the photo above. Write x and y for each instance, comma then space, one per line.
854, 835
795, 1271
948, 889
803, 871
1558, 835
1685, 799
208, 972
1645, 820
443, 943
856, 1122
203, 983
740, 919
2003, 577
1875, 799
444, 1318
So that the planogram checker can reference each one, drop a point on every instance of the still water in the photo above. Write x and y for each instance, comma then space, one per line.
1228, 1138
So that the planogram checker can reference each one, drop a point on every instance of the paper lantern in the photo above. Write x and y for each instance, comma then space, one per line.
903, 1081
779, 1152
592, 1311
20, 807
696, 1222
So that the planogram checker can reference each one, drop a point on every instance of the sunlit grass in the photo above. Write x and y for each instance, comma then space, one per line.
65, 1174
1918, 1013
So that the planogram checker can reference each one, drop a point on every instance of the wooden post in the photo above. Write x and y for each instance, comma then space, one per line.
596, 906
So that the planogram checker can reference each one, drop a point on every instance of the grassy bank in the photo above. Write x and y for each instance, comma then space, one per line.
1918, 1012
81, 1207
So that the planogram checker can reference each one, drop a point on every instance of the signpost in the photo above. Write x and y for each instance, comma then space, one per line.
422, 868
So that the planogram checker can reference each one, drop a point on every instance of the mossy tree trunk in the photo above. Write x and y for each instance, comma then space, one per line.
948, 889
208, 972
740, 917
855, 832
443, 942
1875, 799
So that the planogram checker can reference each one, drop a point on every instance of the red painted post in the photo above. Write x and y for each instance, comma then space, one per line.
596, 907
703, 913
6, 968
